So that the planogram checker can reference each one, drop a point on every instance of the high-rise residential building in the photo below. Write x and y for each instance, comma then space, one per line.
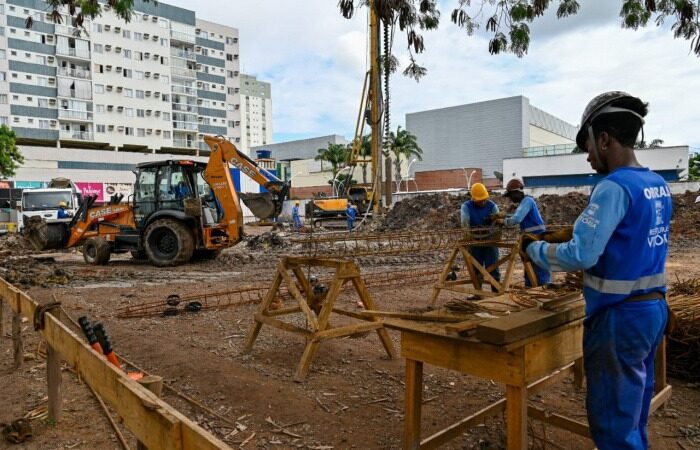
154, 84
256, 112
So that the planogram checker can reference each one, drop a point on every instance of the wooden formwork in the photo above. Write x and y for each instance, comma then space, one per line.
154, 423
290, 275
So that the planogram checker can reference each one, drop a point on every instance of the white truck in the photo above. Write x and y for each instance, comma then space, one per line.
45, 202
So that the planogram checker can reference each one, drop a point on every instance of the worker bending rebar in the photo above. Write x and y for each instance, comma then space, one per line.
479, 212
621, 241
528, 216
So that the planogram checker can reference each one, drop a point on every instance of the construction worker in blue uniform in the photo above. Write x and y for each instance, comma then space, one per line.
528, 216
296, 217
621, 242
479, 212
351, 215
62, 213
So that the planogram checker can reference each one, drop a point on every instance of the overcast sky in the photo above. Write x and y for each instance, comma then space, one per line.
316, 61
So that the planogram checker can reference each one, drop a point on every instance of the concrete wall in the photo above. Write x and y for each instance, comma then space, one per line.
541, 137
300, 149
443, 179
668, 158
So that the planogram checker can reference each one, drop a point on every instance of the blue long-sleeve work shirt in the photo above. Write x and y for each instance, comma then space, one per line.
592, 231
523, 209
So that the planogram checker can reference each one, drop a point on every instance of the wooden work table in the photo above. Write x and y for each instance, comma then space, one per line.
524, 366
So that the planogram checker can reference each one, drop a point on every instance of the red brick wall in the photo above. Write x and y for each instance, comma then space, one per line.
443, 179
309, 191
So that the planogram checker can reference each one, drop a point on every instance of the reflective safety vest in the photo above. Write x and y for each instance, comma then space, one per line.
633, 262
532, 223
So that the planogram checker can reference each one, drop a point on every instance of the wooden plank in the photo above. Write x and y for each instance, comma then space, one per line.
413, 403
17, 346
305, 362
282, 325
660, 398
443, 276
292, 287
660, 381
464, 326
411, 316
303, 261
2, 318
368, 303
579, 374
347, 330
282, 311
150, 419
559, 421
544, 355
470, 291
353, 314
508, 277
53, 379
263, 309
522, 324
516, 415
464, 356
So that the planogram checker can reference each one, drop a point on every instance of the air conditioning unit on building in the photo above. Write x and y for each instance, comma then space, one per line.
119, 88
154, 38
148, 112
154, 19
147, 74
158, 131
156, 76
120, 108
49, 38
52, 101
110, 107
119, 69
156, 94
118, 49
149, 130
108, 68
198, 67
148, 93
197, 48
120, 128
108, 27
52, 80
109, 87
147, 55
155, 57
199, 84
108, 48
117, 29
146, 36
50, 59
110, 127
235, 73
52, 123
145, 17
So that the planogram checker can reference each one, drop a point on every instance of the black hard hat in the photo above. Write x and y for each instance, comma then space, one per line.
602, 104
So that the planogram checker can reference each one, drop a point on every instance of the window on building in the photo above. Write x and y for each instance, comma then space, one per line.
15, 98
204, 51
129, 112
164, 61
140, 132
229, 40
128, 131
138, 74
3, 76
3, 54
163, 42
100, 128
162, 23
166, 98
140, 94
126, 34
140, 113
128, 93
97, 27
127, 73
229, 57
42, 81
44, 124
231, 91
166, 134
42, 102
2, 8
2, 31
231, 124
164, 79
3, 98
166, 116
127, 54
138, 56
100, 108
4, 120
97, 48
138, 36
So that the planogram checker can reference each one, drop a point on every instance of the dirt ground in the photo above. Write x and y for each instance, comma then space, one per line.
352, 398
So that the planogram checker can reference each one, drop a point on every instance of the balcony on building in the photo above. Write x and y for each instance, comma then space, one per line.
182, 37
183, 53
184, 143
77, 72
71, 47
548, 150
185, 126
76, 135
72, 115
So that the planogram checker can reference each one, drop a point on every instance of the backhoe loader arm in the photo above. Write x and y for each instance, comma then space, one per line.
218, 175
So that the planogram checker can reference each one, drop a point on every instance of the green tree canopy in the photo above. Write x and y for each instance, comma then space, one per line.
404, 146
694, 167
507, 21
336, 155
81, 10
10, 157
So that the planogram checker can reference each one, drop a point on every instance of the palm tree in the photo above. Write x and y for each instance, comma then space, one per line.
403, 145
336, 155
364, 153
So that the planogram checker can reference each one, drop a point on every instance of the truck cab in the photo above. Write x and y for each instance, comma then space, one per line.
45, 204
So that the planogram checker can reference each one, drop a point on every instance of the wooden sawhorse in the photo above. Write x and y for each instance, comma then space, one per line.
525, 367
318, 328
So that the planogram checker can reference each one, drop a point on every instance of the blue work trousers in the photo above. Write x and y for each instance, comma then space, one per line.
351, 223
297, 222
619, 346
486, 256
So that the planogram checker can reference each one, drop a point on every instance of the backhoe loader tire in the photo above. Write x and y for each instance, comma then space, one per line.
96, 251
168, 242
205, 255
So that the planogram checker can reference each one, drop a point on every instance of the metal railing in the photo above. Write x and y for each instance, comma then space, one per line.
73, 52
189, 126
183, 90
184, 108
74, 73
77, 135
180, 72
548, 150
72, 114
183, 143
184, 54
67, 30
183, 37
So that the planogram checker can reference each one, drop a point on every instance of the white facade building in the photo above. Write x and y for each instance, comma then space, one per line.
256, 112
155, 84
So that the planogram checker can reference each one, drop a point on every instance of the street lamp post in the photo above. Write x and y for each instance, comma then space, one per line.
469, 178
408, 173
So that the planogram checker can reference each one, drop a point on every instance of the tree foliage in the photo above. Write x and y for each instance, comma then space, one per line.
10, 157
81, 10
404, 146
336, 155
507, 21
654, 143
365, 153
694, 167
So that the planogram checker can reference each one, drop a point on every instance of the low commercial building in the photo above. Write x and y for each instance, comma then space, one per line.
557, 166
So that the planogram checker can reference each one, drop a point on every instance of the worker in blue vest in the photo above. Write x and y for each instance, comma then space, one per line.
528, 216
296, 217
478, 213
621, 242
62, 213
351, 215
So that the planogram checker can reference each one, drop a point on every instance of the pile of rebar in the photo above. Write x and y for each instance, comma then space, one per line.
684, 343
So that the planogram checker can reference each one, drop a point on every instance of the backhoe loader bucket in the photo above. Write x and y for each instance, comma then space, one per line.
43, 235
262, 205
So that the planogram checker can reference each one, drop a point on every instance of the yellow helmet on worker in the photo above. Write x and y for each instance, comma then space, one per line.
296, 202
62, 204
479, 192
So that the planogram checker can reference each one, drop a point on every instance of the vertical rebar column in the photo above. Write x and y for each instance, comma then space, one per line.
374, 102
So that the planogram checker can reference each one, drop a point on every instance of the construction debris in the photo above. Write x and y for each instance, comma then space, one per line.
684, 343
33, 271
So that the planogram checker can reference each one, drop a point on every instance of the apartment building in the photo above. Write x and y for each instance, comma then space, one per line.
155, 84
256, 112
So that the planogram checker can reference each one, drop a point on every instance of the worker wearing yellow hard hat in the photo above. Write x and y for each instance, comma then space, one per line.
296, 217
477, 214
62, 214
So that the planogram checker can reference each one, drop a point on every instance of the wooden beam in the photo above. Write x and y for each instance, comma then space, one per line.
522, 324
411, 316
17, 347
282, 311
151, 420
53, 377
559, 421
282, 325
516, 413
347, 330
413, 404
292, 287
660, 398
453, 431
